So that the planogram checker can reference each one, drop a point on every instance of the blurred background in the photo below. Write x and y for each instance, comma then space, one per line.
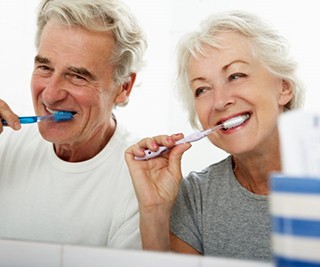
154, 107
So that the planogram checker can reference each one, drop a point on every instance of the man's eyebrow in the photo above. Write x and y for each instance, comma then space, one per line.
40, 59
83, 72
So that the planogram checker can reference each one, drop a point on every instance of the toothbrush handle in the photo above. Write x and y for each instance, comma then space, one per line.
162, 149
192, 138
151, 154
23, 120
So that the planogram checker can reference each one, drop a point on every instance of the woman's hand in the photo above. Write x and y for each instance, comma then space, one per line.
156, 181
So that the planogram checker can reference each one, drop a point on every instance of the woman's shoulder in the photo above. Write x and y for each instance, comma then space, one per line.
219, 169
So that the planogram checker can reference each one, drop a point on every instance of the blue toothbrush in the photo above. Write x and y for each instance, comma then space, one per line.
57, 117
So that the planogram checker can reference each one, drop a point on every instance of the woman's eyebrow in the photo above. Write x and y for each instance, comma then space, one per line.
238, 61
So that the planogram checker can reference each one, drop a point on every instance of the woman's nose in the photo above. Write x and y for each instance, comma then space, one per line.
223, 98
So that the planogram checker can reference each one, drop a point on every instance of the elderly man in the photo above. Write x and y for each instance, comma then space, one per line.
67, 182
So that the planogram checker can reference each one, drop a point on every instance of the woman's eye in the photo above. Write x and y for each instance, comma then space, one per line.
199, 91
236, 76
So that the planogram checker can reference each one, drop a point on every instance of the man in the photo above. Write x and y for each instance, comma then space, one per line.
67, 182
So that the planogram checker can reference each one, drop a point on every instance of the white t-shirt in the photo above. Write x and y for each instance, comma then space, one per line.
44, 198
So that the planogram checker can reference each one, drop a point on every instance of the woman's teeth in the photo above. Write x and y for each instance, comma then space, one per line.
235, 121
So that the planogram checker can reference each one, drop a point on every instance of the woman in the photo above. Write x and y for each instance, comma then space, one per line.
235, 65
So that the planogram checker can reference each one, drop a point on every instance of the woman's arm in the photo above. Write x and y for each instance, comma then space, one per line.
156, 182
177, 245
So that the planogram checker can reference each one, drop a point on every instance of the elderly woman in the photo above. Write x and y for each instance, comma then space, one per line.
236, 65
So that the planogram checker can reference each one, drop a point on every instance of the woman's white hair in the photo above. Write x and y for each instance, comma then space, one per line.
271, 48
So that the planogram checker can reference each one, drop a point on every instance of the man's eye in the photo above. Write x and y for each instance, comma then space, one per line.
77, 79
236, 76
43, 68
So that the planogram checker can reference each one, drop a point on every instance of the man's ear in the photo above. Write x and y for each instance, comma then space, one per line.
125, 90
286, 93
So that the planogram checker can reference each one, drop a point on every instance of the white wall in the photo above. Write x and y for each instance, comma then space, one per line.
153, 108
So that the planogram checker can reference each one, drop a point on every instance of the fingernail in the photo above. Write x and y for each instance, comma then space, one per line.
154, 144
16, 125
170, 140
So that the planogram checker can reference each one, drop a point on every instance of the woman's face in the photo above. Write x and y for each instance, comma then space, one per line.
229, 82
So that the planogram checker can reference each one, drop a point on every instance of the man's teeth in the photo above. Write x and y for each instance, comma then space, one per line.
51, 111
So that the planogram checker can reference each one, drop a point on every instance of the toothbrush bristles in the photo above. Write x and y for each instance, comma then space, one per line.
63, 116
234, 121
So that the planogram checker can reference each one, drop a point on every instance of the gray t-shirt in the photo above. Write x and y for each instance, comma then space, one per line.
219, 217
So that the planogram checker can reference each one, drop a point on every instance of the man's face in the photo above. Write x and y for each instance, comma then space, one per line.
73, 72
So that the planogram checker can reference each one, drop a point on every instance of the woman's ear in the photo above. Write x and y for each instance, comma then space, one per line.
286, 93
125, 90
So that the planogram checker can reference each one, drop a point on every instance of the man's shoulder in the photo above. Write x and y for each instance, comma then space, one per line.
124, 136
26, 133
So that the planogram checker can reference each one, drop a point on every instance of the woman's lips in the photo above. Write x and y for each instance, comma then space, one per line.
247, 114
